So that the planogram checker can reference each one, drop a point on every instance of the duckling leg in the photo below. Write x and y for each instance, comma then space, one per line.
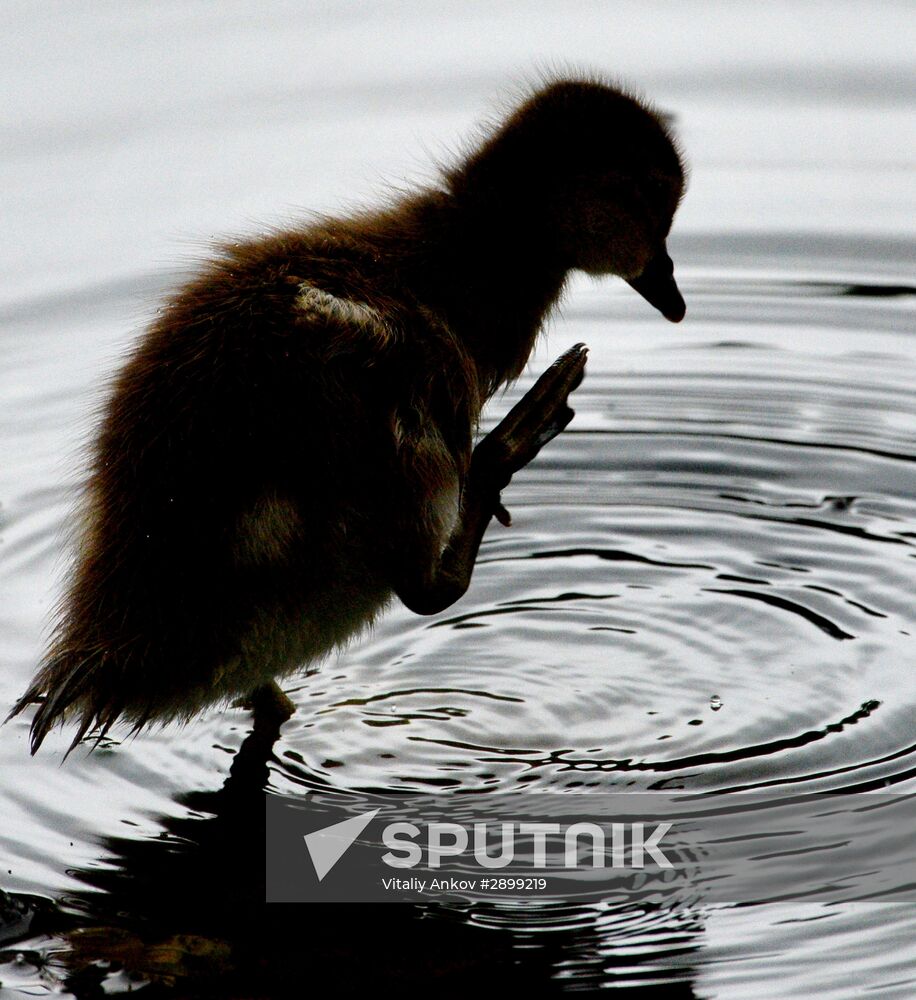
428, 582
267, 703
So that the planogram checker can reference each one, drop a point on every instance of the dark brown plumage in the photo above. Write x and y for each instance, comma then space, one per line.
292, 440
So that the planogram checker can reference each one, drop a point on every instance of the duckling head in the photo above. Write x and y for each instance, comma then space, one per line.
592, 175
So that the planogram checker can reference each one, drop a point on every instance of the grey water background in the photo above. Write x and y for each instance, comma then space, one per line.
709, 582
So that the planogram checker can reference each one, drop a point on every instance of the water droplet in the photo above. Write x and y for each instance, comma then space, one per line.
715, 703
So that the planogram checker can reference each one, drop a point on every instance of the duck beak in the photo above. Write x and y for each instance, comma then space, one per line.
657, 286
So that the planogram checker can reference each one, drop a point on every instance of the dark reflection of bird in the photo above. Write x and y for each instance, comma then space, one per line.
185, 912
291, 442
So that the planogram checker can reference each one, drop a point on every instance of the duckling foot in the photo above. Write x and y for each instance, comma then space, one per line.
268, 703
539, 416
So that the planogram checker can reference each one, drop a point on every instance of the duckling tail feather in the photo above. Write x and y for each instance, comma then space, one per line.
63, 683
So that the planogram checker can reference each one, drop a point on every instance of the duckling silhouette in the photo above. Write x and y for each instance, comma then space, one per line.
292, 441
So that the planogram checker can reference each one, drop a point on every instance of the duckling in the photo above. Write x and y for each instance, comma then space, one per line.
291, 443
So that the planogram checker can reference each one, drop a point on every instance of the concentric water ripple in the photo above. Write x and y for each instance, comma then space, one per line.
708, 583
708, 586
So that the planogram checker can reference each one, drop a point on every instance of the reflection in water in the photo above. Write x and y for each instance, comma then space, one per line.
185, 912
